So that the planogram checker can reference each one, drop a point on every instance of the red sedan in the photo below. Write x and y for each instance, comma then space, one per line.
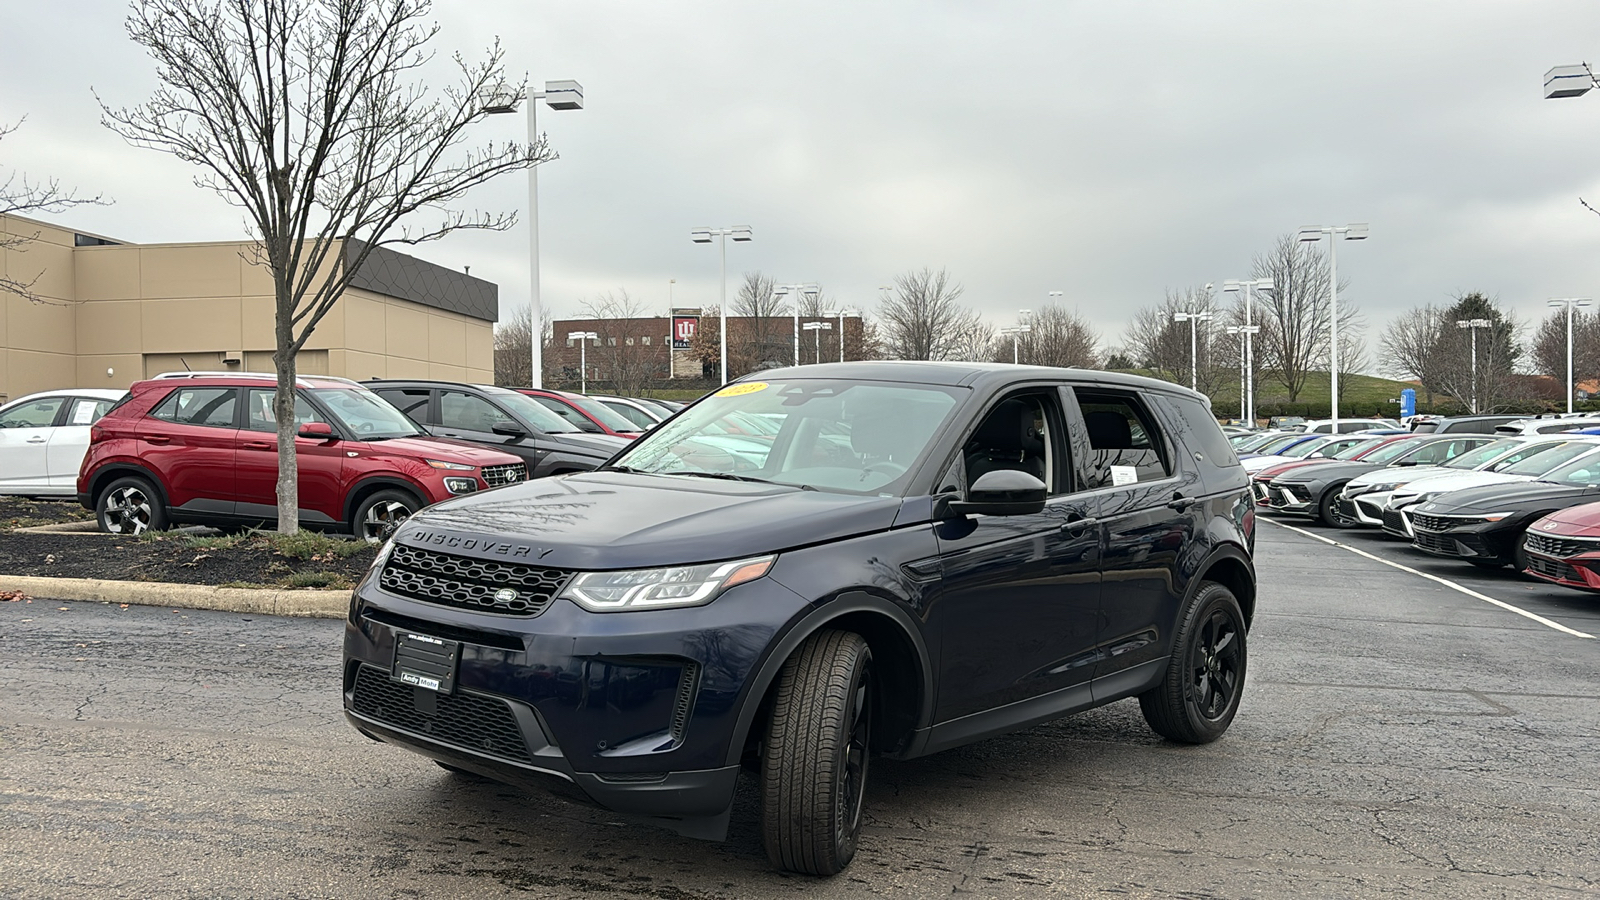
587, 414
1564, 547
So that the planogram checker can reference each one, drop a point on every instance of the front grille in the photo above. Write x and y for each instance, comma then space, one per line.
1433, 523
1437, 543
1560, 547
1393, 522
481, 724
1260, 491
467, 583
510, 473
1347, 509
683, 704
1281, 497
1551, 568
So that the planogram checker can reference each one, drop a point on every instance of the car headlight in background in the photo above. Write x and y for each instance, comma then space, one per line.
450, 466
673, 586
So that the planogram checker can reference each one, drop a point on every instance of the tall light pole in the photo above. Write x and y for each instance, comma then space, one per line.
704, 236
559, 95
800, 290
1474, 325
839, 314
1245, 394
1355, 231
583, 338
1194, 318
1013, 333
1570, 303
816, 329
1247, 406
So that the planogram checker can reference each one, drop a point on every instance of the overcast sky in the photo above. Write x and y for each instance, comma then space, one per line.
1110, 150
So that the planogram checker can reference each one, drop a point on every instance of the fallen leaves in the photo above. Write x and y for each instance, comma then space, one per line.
14, 596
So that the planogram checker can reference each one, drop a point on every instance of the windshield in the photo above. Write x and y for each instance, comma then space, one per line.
1302, 450
361, 411
1390, 452
535, 414
1244, 443
825, 434
601, 413
1356, 449
1282, 440
1488, 453
1540, 463
1582, 472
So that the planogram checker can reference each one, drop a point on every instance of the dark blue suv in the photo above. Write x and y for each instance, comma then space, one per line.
904, 557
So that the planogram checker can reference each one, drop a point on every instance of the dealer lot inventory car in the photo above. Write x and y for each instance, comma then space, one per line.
1525, 465
501, 419
1564, 547
43, 438
641, 631
202, 448
1316, 491
1485, 525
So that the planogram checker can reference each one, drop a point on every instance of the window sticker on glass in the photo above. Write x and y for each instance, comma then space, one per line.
83, 414
1124, 475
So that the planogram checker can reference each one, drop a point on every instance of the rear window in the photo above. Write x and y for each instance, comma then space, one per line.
1198, 430
208, 406
1127, 445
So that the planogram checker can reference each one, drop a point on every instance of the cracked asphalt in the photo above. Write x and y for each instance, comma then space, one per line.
1397, 739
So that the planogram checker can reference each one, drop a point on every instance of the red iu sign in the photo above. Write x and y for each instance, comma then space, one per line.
683, 329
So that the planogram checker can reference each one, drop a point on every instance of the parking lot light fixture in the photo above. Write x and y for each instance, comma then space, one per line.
1355, 231
703, 236
1014, 333
1474, 325
816, 329
839, 314
1568, 81
800, 290
1570, 303
565, 94
1247, 287
583, 338
1194, 318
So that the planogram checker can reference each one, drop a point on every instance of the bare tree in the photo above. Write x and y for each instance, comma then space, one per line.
1056, 336
1156, 341
922, 319
758, 302
300, 113
1492, 381
1548, 347
1295, 315
972, 339
1411, 348
20, 194
513, 348
618, 356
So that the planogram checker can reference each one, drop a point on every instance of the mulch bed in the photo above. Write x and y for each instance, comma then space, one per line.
253, 562
17, 512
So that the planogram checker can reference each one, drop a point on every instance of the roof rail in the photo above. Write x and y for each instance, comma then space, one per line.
300, 381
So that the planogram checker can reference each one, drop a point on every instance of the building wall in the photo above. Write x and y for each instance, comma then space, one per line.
117, 313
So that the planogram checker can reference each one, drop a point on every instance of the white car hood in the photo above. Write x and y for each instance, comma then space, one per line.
1460, 481
1259, 463
1390, 475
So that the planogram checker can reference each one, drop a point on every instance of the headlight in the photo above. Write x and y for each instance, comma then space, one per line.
662, 588
457, 484
453, 467
1497, 516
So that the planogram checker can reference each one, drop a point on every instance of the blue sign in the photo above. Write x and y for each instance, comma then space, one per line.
1408, 403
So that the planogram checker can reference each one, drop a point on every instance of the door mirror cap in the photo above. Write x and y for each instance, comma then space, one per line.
509, 429
1003, 492
320, 431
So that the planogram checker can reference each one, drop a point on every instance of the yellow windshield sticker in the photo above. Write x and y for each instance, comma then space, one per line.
736, 390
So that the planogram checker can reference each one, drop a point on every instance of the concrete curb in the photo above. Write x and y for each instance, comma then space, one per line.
62, 528
319, 604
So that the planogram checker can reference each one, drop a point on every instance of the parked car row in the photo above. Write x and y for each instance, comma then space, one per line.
1529, 499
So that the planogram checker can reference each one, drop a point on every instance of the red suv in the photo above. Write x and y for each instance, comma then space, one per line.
201, 448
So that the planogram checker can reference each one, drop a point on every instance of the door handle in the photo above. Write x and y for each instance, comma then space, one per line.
257, 445
157, 439
1181, 503
38, 440
1076, 526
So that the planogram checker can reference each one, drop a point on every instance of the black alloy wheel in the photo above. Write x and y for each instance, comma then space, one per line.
1328, 509
815, 757
130, 505
1197, 699
380, 514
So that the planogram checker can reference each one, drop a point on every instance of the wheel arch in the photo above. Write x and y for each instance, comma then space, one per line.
901, 665
112, 471
370, 485
1229, 567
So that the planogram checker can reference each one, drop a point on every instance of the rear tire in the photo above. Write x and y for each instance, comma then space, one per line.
1199, 695
1328, 510
130, 505
814, 761
380, 513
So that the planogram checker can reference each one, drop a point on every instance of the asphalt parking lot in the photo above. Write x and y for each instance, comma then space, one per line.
1398, 737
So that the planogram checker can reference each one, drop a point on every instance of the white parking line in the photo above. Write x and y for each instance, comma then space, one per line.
1444, 581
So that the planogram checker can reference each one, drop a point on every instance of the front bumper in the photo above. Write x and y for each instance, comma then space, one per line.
1291, 498
1366, 509
1569, 563
1468, 540
636, 712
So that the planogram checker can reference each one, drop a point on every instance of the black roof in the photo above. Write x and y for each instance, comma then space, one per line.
966, 374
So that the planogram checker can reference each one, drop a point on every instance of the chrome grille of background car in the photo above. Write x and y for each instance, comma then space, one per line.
1559, 547
511, 473
1421, 522
1551, 568
480, 724
1438, 543
468, 583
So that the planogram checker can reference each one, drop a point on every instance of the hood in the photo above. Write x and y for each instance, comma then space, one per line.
1272, 472
617, 520
1333, 471
1519, 497
1455, 481
603, 446
1388, 477
1582, 520
443, 449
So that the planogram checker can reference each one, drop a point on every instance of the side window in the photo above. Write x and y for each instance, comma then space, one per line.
88, 411
468, 412
411, 401
1126, 444
258, 411
572, 416
1197, 429
35, 414
1021, 433
212, 406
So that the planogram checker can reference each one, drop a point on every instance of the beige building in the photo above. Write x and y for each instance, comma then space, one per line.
110, 313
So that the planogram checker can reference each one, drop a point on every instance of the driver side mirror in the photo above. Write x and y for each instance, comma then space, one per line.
1002, 492
319, 431
509, 429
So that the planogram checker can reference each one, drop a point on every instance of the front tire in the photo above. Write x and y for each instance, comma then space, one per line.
130, 505
1328, 510
814, 761
1199, 695
381, 512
